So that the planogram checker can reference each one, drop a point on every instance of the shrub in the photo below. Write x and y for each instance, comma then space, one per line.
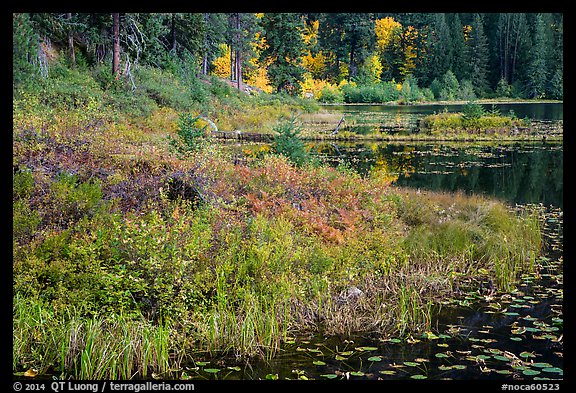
376, 93
287, 141
330, 95
25, 221
190, 134
22, 183
471, 114
73, 200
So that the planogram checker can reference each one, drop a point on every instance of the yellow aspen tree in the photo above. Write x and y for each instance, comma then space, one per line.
222, 64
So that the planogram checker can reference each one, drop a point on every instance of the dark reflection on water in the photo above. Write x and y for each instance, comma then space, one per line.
518, 173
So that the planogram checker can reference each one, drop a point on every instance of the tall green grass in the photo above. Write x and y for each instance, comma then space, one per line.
88, 348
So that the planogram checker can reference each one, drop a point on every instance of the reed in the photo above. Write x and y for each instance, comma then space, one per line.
88, 348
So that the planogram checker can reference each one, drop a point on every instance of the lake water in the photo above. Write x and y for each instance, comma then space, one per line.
366, 119
518, 173
536, 111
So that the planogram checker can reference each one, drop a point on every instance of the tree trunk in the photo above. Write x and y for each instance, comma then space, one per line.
205, 54
238, 58
173, 32
239, 69
71, 41
116, 47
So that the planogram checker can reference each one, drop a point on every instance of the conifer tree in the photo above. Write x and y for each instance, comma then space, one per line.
458, 47
284, 50
477, 56
538, 73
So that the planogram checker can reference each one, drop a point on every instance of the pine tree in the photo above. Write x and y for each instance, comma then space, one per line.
458, 47
538, 73
477, 56
284, 50
24, 48
441, 46
348, 38
116, 45
556, 86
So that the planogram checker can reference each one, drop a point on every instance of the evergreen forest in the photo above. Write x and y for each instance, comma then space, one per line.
333, 57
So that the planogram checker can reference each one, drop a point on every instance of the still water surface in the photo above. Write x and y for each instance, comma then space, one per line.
536, 111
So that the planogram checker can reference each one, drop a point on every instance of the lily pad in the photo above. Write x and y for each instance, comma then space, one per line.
387, 372
430, 336
413, 364
362, 349
441, 355
542, 365
504, 372
31, 373
418, 376
375, 359
553, 370
530, 372
526, 354
212, 370
501, 358
319, 363
329, 376
357, 373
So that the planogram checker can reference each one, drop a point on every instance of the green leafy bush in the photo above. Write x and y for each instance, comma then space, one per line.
190, 134
288, 143
25, 221
381, 92
71, 200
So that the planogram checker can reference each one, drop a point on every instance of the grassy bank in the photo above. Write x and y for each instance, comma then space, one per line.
131, 256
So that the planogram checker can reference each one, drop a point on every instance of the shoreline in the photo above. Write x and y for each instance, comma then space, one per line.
456, 102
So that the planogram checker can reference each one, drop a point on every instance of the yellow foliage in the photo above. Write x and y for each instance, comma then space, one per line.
344, 82
467, 30
374, 66
409, 38
259, 79
222, 63
259, 76
386, 29
310, 34
314, 64
314, 86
